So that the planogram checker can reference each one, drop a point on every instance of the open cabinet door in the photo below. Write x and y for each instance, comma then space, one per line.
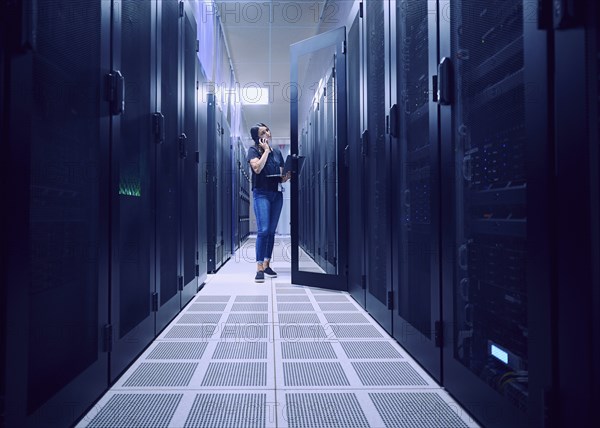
318, 138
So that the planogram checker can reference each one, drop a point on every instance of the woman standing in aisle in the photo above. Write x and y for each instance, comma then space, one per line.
267, 168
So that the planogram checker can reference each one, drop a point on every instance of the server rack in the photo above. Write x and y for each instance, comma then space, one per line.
96, 193
236, 195
132, 159
377, 177
202, 180
219, 187
416, 183
213, 200
168, 219
243, 196
577, 304
227, 180
354, 164
496, 187
54, 244
188, 146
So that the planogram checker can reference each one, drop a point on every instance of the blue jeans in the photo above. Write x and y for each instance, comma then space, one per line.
267, 208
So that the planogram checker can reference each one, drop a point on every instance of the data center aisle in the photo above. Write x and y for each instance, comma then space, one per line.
243, 354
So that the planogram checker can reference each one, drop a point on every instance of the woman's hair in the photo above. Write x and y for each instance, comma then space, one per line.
254, 131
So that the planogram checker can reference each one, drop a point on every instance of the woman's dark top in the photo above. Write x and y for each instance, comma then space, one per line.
273, 165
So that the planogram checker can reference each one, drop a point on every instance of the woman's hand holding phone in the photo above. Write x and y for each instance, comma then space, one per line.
264, 144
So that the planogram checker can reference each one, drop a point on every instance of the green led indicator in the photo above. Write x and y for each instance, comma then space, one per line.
130, 188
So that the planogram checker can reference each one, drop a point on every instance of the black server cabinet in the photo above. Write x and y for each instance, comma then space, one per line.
242, 192
321, 148
131, 189
415, 156
226, 179
218, 157
55, 231
330, 175
211, 184
203, 200
168, 221
496, 166
575, 89
188, 152
354, 163
236, 196
593, 37
378, 172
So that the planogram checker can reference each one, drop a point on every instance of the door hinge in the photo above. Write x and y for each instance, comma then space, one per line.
182, 147
344, 47
180, 282
197, 157
158, 127
107, 338
390, 300
154, 302
115, 83
363, 282
180, 9
333, 72
197, 45
439, 334
197, 270
360, 9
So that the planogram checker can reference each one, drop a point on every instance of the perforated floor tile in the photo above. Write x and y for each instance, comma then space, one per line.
240, 351
337, 307
250, 307
298, 318
161, 374
302, 331
207, 307
247, 318
201, 331
281, 291
211, 298
236, 374
415, 409
314, 374
199, 318
355, 331
245, 331
228, 410
346, 318
295, 307
307, 350
252, 299
370, 350
333, 298
324, 410
136, 410
293, 298
384, 373
177, 351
